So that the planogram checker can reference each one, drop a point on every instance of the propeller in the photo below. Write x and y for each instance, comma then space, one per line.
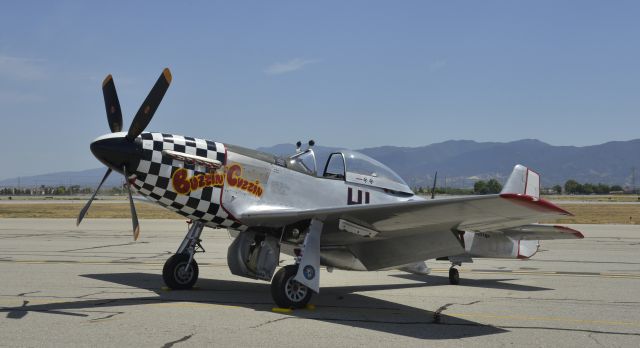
112, 104
433, 189
150, 105
86, 206
134, 216
140, 121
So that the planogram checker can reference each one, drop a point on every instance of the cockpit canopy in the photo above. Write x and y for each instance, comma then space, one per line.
350, 166
358, 168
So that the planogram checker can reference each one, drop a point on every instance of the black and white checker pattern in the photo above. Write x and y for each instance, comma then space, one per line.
153, 178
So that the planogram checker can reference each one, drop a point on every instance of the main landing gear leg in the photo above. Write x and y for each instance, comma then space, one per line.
181, 270
293, 285
454, 276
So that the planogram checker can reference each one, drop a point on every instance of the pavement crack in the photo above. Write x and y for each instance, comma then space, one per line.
595, 339
91, 294
437, 315
566, 330
102, 246
107, 302
170, 344
269, 322
27, 293
106, 317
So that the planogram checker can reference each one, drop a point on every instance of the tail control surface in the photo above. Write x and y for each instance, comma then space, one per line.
523, 181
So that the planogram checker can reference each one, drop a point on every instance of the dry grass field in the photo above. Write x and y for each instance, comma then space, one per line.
585, 213
71, 210
593, 198
594, 213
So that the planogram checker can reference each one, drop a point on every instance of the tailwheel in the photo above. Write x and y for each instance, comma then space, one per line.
454, 276
287, 292
178, 273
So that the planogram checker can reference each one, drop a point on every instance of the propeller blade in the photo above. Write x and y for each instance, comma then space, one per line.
134, 216
433, 189
86, 206
150, 105
112, 104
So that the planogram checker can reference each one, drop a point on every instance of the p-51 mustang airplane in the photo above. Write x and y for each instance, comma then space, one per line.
357, 215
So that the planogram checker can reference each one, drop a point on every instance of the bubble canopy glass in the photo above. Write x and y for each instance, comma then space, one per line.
362, 169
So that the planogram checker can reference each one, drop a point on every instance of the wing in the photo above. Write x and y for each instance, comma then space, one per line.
477, 213
387, 235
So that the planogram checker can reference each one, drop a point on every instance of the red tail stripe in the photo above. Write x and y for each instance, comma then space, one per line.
538, 204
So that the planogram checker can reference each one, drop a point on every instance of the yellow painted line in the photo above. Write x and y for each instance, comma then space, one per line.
16, 303
616, 274
533, 318
71, 262
530, 272
462, 270
12, 302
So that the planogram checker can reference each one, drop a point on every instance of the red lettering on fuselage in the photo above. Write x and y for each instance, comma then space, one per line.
183, 184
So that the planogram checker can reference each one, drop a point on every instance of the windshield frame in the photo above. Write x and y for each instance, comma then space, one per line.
335, 176
298, 165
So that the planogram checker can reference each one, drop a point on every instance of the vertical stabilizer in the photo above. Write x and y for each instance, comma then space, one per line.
523, 181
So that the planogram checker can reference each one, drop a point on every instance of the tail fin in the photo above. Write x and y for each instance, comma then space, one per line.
523, 181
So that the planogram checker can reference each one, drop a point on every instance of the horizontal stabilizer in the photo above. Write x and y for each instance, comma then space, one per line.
419, 268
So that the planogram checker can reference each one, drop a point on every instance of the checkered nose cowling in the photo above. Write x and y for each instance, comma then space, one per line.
155, 171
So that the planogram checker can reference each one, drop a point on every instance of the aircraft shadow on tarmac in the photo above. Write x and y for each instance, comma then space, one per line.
476, 283
340, 305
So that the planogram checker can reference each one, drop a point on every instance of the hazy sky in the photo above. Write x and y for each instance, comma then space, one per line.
345, 73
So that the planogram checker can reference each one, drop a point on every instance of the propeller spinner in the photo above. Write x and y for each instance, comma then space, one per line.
119, 151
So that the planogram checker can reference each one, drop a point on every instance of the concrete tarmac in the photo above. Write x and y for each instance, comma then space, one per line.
92, 285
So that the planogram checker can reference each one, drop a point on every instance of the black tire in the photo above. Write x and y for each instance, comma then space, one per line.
454, 276
288, 293
174, 275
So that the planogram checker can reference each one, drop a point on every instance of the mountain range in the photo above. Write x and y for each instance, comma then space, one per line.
459, 163
462, 162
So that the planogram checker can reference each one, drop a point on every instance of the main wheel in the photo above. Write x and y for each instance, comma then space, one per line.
176, 275
288, 293
454, 276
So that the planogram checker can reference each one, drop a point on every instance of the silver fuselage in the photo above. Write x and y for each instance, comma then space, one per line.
247, 178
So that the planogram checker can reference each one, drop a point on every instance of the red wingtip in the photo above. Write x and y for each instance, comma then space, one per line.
539, 204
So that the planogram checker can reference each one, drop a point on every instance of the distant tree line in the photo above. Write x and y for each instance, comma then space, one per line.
482, 187
442, 191
492, 186
55, 190
573, 187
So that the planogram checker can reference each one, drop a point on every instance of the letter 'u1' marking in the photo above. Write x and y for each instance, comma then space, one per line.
351, 201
